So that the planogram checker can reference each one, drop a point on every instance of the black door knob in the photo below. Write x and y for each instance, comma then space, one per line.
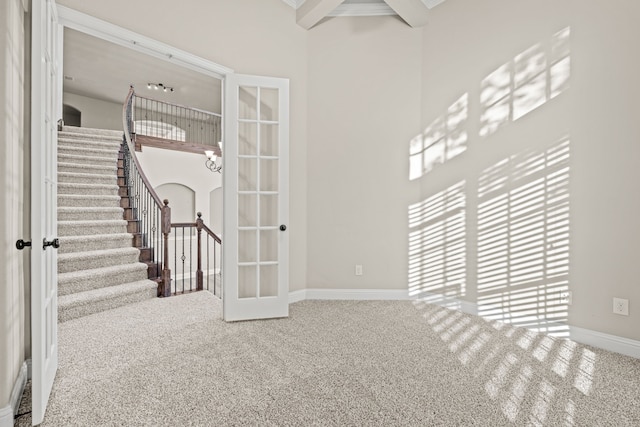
55, 243
283, 227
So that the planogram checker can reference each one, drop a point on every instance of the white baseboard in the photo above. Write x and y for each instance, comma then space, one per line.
8, 412
295, 296
448, 302
601, 340
609, 342
348, 294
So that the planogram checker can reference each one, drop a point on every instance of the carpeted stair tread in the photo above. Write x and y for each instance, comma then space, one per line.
89, 158
80, 200
76, 261
102, 133
70, 244
79, 228
88, 189
94, 160
103, 277
81, 213
90, 143
88, 151
110, 169
89, 302
87, 178
84, 129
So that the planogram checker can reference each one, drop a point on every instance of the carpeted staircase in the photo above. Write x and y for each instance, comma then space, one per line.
98, 268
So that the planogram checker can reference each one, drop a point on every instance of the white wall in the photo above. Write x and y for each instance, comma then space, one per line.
364, 105
215, 221
12, 182
183, 201
177, 167
96, 113
594, 112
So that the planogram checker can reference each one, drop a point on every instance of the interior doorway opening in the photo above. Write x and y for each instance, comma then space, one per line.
71, 116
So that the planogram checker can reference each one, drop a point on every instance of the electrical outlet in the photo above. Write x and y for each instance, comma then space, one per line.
621, 306
566, 297
358, 270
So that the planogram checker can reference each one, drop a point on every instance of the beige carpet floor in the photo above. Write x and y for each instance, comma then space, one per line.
174, 362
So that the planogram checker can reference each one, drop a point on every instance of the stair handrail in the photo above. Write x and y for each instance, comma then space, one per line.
151, 212
200, 225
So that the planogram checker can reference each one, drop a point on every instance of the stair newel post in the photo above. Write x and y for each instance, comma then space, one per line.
166, 229
199, 275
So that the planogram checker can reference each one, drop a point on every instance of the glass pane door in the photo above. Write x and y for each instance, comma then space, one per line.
256, 200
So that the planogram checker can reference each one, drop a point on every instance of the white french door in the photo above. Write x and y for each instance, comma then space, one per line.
46, 99
256, 198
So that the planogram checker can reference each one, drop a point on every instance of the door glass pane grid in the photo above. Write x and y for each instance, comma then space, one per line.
247, 281
247, 209
268, 280
269, 139
269, 99
247, 102
258, 280
258, 264
268, 210
247, 138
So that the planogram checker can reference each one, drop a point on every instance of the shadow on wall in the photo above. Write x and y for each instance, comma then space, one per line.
445, 138
519, 86
525, 83
523, 239
508, 221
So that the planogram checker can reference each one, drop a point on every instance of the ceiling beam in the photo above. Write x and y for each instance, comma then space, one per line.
413, 12
312, 11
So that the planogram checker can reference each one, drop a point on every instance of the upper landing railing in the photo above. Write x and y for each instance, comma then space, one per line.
172, 126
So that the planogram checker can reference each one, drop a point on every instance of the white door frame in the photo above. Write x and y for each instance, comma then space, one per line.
107, 31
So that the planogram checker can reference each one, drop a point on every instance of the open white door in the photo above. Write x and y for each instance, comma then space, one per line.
46, 86
256, 198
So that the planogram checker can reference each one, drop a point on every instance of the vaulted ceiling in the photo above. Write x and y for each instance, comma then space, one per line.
413, 12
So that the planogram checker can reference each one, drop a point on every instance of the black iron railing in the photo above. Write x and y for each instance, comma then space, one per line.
172, 122
195, 254
149, 217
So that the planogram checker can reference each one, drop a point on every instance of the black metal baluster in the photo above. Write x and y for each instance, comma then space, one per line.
208, 270
190, 258
183, 259
175, 259
159, 244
